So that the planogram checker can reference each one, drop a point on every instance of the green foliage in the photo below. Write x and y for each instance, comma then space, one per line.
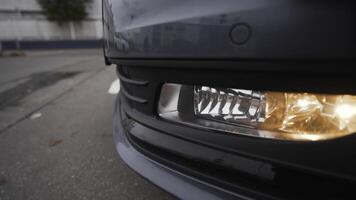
62, 11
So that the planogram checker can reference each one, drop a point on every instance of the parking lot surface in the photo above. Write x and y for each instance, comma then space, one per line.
56, 130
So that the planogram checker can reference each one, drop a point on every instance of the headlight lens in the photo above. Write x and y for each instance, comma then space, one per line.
279, 115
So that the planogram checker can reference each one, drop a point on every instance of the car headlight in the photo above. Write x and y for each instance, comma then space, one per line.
279, 115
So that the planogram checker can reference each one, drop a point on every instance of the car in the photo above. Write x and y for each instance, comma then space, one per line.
236, 99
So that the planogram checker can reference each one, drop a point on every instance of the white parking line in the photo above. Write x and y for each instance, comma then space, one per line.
114, 87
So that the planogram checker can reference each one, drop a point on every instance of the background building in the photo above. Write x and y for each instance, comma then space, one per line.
22, 20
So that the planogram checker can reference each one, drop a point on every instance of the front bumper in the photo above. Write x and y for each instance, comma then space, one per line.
171, 180
218, 165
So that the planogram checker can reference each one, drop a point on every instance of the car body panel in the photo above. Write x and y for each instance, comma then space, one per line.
277, 29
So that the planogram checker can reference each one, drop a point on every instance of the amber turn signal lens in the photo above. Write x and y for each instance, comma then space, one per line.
310, 116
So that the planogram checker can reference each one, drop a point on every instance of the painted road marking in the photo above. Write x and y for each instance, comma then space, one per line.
114, 87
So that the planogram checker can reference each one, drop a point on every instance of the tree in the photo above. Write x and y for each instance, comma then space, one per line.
62, 11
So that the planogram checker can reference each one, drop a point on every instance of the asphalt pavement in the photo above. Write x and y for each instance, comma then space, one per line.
56, 130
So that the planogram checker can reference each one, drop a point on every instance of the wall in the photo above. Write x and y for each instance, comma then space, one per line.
22, 20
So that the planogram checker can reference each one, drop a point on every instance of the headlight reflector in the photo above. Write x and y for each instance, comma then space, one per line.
279, 115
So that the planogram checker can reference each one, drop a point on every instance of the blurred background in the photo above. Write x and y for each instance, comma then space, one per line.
24, 24
56, 104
